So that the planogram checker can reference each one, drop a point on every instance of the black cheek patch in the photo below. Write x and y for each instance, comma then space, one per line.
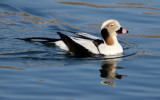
104, 33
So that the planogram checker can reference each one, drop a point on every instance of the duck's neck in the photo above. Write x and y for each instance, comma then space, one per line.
111, 41
109, 38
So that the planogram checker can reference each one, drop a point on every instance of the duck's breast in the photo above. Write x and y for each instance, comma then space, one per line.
110, 50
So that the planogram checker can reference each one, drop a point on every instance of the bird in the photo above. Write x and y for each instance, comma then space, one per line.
86, 45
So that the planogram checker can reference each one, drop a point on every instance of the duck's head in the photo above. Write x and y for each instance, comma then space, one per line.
111, 28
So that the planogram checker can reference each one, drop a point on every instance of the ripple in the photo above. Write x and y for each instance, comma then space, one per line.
98, 6
9, 7
152, 14
33, 11
129, 50
23, 52
146, 36
13, 68
131, 3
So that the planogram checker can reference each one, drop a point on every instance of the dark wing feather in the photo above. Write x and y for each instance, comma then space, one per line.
87, 36
74, 47
97, 41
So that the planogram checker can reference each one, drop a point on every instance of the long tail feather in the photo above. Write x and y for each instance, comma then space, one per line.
39, 39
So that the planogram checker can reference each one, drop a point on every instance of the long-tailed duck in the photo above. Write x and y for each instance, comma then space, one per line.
85, 45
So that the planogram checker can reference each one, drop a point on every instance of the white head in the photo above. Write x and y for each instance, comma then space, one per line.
111, 21
110, 29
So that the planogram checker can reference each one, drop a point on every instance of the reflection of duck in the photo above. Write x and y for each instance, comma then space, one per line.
85, 45
108, 71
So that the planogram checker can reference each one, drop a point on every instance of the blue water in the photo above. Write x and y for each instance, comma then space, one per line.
32, 71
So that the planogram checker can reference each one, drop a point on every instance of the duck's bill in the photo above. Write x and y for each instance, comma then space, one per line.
122, 31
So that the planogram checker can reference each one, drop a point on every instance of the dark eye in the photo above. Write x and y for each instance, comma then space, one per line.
111, 25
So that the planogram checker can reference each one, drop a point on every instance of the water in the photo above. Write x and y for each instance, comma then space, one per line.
32, 71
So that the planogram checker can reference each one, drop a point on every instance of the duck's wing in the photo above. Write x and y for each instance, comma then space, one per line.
95, 40
87, 36
75, 47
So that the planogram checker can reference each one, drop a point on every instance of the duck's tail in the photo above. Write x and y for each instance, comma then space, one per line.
39, 39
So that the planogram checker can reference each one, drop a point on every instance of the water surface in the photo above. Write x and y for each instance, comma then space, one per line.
30, 71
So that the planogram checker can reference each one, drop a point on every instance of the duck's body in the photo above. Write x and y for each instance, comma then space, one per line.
90, 45
85, 45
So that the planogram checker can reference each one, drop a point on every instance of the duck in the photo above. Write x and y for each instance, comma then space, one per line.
86, 45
